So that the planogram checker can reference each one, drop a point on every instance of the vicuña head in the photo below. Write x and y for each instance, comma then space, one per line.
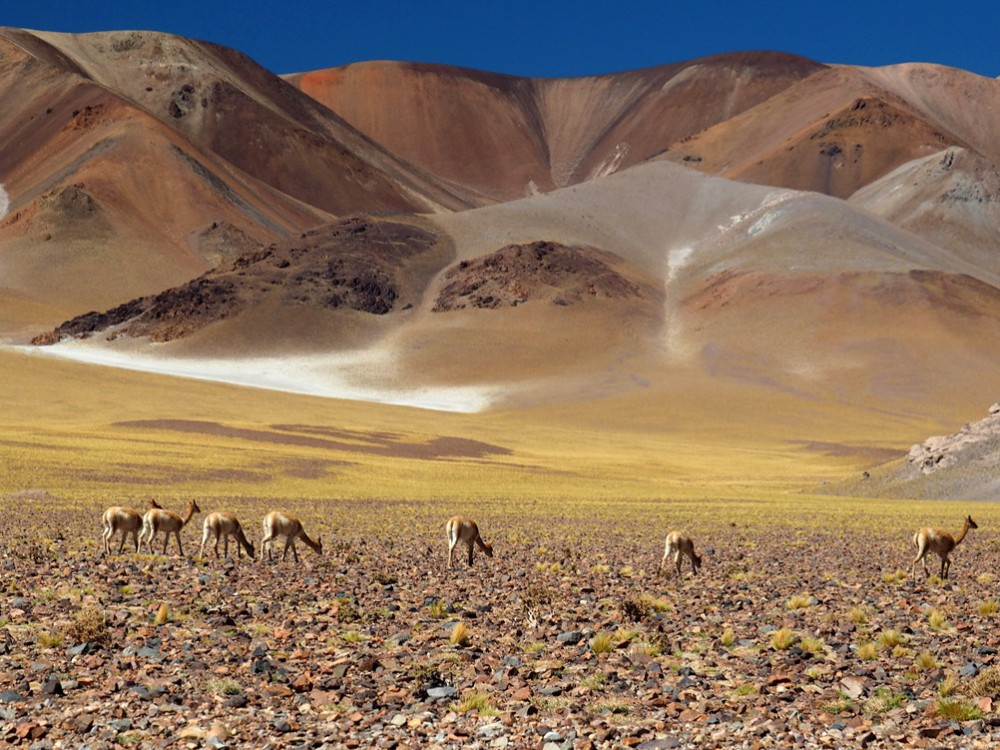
941, 543
158, 520
277, 523
678, 544
465, 530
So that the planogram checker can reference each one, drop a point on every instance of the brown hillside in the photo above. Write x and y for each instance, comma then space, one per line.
506, 137
832, 133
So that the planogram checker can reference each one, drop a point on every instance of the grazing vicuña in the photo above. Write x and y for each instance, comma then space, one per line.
221, 524
465, 530
278, 524
678, 544
940, 542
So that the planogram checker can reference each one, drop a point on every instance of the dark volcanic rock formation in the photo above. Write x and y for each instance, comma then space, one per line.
540, 270
355, 264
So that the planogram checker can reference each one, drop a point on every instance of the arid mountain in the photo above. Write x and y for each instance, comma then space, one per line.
160, 157
503, 137
727, 233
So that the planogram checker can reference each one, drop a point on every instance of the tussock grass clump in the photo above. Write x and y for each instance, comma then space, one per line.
812, 644
655, 603
602, 643
437, 609
595, 681
883, 701
89, 625
728, 638
867, 651
937, 620
460, 635
858, 615
226, 686
947, 686
799, 601
892, 638
924, 661
988, 608
476, 701
956, 709
898, 576
843, 705
49, 640
612, 706
783, 639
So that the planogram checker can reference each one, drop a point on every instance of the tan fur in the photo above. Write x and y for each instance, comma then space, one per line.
158, 520
465, 530
939, 542
127, 521
221, 524
278, 524
678, 544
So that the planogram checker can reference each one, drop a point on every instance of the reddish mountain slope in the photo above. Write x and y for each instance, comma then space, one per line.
655, 263
505, 137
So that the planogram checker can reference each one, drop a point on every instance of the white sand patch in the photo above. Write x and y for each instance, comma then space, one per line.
676, 260
354, 376
4, 202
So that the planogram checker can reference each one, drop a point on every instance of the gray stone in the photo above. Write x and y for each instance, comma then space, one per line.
439, 693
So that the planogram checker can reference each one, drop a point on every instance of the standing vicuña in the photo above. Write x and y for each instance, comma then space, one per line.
939, 541
157, 520
221, 524
278, 524
466, 530
127, 521
680, 544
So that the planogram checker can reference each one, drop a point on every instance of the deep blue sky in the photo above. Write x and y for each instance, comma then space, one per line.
542, 38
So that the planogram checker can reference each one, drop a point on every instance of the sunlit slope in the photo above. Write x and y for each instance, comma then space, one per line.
951, 198
98, 434
789, 291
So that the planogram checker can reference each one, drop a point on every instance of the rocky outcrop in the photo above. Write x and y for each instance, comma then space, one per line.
358, 263
540, 271
975, 441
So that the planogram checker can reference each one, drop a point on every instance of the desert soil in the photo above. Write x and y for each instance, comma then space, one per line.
353, 648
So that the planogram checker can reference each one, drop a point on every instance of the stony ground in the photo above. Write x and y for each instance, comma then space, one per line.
788, 638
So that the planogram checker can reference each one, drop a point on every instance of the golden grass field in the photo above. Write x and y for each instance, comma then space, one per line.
83, 437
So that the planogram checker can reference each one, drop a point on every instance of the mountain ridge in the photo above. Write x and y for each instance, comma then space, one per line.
751, 223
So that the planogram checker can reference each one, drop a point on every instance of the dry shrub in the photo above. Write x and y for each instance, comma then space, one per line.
89, 626
985, 685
